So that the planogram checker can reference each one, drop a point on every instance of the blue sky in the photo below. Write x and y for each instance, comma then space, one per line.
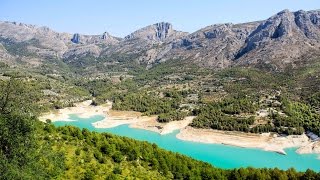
121, 17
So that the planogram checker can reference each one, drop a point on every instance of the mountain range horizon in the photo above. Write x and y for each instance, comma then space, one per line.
286, 39
156, 22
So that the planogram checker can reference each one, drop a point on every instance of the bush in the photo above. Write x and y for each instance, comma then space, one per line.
117, 157
77, 152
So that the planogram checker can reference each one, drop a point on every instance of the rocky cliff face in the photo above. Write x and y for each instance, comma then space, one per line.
282, 40
156, 32
285, 39
213, 46
76, 38
148, 44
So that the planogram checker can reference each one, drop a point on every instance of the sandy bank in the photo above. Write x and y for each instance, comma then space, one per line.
313, 147
135, 120
264, 141
83, 110
163, 128
117, 118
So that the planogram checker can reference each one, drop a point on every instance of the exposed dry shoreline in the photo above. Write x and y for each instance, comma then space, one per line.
135, 120
115, 118
266, 141
83, 110
162, 128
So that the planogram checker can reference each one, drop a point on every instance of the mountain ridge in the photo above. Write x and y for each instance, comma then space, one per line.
282, 40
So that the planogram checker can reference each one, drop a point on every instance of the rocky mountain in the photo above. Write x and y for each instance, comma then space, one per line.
282, 39
147, 44
44, 42
213, 46
285, 39
157, 32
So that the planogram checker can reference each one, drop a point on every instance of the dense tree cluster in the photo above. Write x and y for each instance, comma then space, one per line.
219, 115
151, 104
172, 116
299, 117
210, 117
237, 105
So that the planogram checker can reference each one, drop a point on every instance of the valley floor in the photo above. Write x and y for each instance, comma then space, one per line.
265, 141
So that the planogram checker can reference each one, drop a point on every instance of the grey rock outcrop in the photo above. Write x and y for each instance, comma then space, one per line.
76, 38
156, 32
105, 36
147, 45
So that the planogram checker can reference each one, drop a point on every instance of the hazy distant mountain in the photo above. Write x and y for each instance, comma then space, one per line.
287, 38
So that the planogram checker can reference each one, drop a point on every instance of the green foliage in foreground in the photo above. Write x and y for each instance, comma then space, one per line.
21, 154
108, 155
92, 155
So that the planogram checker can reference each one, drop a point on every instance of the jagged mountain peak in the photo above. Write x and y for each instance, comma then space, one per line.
284, 12
106, 35
155, 32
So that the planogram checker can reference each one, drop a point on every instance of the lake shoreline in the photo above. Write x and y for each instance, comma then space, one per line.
265, 141
83, 110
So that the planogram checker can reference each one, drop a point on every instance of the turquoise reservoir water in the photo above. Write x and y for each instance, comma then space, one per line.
218, 155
